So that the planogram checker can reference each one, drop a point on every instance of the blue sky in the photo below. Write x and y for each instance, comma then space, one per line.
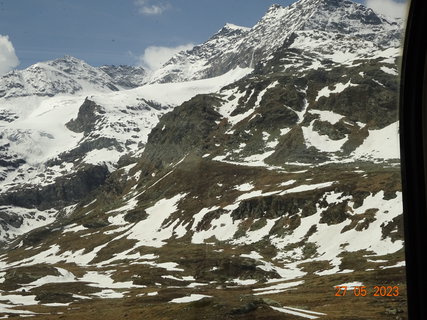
117, 32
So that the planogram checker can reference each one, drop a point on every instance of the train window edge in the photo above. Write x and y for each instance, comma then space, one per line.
413, 155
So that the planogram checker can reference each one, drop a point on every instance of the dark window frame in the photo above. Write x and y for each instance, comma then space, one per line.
413, 139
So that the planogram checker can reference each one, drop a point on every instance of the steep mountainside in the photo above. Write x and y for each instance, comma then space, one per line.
127, 77
249, 195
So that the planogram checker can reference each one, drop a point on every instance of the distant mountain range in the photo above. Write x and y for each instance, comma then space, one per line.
68, 75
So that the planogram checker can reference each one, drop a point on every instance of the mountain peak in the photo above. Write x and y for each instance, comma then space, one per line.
64, 62
230, 29
66, 75
232, 26
274, 7
66, 59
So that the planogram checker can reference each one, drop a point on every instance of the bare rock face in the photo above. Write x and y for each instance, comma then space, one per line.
187, 129
127, 77
9, 219
65, 191
89, 114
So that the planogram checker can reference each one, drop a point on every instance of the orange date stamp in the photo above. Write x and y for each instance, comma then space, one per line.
363, 291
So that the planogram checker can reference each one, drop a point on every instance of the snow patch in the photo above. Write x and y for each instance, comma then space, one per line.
190, 298
339, 87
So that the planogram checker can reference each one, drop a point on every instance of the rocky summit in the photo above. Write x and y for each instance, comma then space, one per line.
254, 176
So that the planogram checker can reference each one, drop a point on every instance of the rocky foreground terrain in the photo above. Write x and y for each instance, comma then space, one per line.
244, 179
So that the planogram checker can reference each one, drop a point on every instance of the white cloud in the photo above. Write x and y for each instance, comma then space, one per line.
391, 8
145, 8
8, 58
154, 57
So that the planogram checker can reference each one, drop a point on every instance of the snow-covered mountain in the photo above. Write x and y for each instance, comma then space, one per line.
247, 192
352, 28
198, 62
66, 75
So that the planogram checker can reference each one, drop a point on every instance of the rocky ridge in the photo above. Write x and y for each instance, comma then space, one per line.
127, 77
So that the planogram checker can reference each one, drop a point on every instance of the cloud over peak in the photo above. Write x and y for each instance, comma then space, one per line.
155, 56
146, 7
8, 58
390, 8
